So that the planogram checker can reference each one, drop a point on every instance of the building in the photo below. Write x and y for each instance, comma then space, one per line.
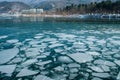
39, 11
33, 11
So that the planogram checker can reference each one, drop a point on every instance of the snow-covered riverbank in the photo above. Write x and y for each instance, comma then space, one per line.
80, 16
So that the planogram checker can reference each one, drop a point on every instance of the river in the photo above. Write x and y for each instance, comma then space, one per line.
55, 49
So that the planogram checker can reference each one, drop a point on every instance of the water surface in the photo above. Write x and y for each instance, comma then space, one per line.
55, 49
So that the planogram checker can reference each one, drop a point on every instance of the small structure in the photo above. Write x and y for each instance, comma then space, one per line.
39, 11
33, 11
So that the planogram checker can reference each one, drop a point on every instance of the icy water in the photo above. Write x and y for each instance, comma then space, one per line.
38, 49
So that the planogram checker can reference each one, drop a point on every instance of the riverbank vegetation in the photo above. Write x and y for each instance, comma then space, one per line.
108, 7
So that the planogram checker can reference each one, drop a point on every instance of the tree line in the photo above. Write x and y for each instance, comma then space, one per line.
102, 7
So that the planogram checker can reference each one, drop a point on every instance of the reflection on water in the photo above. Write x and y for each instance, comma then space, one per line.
51, 49
62, 19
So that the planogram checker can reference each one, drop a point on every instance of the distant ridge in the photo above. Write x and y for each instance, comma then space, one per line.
12, 5
6, 7
36, 2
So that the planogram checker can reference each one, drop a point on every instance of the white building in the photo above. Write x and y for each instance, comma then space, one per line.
33, 11
39, 11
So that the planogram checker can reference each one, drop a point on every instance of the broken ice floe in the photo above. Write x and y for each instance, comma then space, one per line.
88, 56
31, 52
66, 36
104, 62
38, 37
7, 55
81, 57
93, 53
26, 72
3, 37
28, 62
101, 75
105, 68
7, 68
59, 69
96, 69
96, 78
12, 41
118, 76
42, 77
16, 60
56, 45
117, 62
64, 59
42, 63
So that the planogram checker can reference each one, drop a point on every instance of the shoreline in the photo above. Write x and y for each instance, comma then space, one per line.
79, 16
61, 17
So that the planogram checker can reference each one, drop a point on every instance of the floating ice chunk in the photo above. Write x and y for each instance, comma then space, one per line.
99, 61
79, 45
49, 40
74, 70
43, 63
93, 53
101, 75
108, 53
56, 45
82, 50
41, 56
39, 34
72, 76
33, 42
96, 79
26, 72
30, 52
95, 48
7, 68
59, 68
28, 62
53, 42
66, 36
36, 46
103, 62
28, 40
16, 60
12, 41
101, 42
44, 72
64, 59
58, 50
73, 65
118, 76
2, 37
80, 57
117, 62
117, 55
115, 42
96, 32
109, 63
18, 44
38, 37
91, 38
115, 37
105, 68
7, 55
89, 42
96, 68
41, 77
